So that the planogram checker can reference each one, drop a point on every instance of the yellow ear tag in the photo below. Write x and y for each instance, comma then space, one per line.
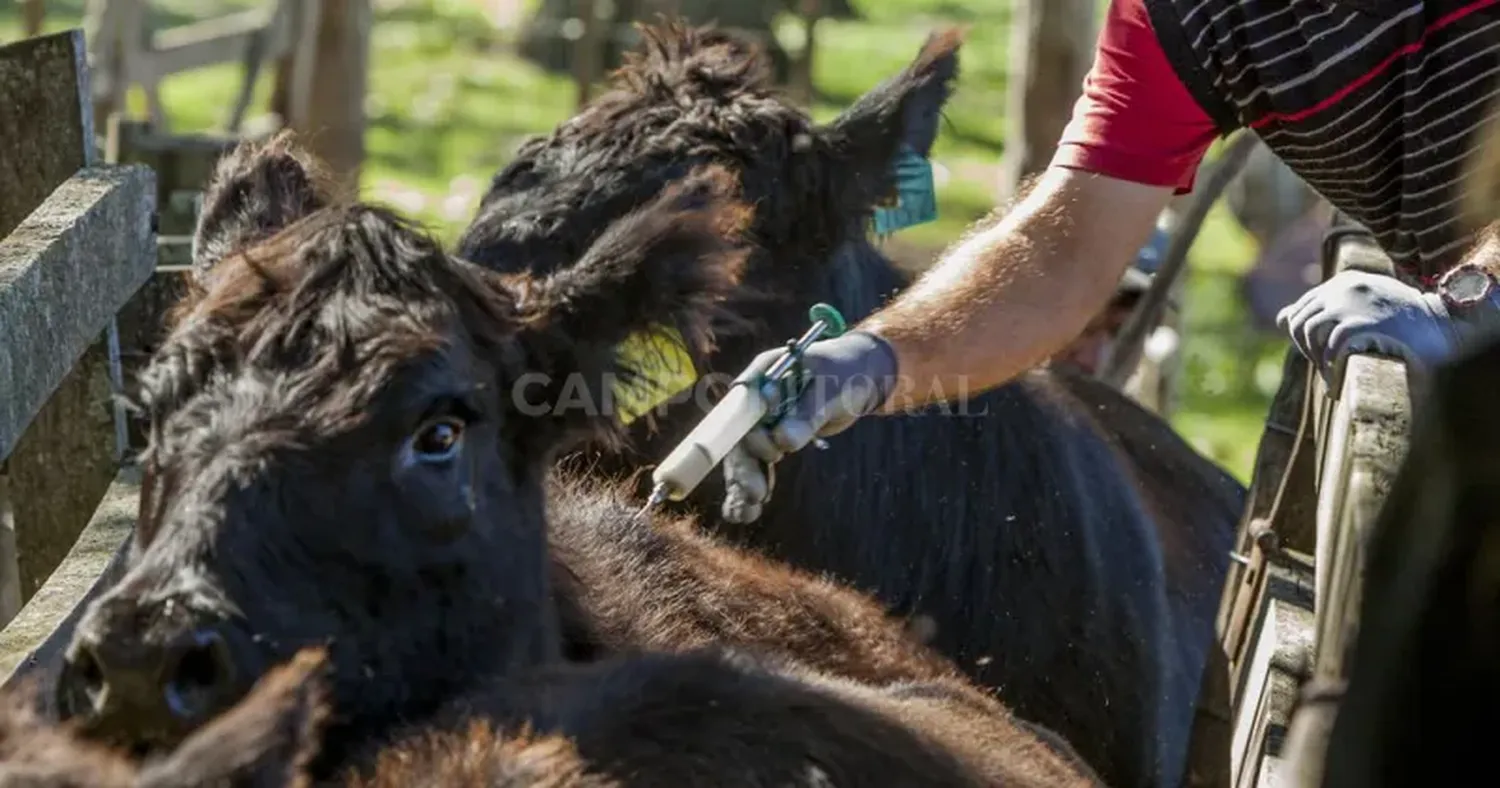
663, 368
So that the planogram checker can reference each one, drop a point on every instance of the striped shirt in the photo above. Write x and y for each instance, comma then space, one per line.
1372, 102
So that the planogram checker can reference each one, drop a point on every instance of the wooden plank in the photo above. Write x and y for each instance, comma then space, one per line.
587, 53
63, 274
1364, 448
1362, 430
101, 25
213, 41
1280, 657
45, 130
334, 125
32, 641
292, 92
33, 12
1051, 47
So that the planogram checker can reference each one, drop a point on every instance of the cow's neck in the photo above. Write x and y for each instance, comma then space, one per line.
860, 279
504, 623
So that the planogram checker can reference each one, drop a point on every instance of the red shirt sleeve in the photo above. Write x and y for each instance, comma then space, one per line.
1135, 121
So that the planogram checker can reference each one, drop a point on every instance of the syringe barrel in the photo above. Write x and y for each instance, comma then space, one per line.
730, 420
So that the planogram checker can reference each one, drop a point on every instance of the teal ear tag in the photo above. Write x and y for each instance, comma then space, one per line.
915, 199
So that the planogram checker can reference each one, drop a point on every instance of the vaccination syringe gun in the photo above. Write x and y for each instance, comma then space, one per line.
759, 401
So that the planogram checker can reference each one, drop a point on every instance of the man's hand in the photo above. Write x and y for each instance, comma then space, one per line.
1356, 312
848, 377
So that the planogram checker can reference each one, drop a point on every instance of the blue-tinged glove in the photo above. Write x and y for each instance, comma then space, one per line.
1359, 312
850, 376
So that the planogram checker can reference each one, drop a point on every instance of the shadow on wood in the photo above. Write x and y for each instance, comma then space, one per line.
1425, 679
75, 242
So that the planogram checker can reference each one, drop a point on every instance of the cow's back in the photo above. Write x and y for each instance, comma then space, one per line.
1018, 532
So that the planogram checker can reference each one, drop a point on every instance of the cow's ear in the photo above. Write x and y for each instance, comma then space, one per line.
35, 750
269, 738
257, 189
898, 119
646, 296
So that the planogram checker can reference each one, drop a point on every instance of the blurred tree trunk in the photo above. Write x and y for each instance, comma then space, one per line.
1051, 49
810, 11
333, 125
32, 14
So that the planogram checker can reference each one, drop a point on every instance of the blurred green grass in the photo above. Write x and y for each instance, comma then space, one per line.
449, 102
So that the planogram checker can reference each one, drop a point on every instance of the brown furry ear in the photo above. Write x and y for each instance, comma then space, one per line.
904, 110
668, 265
38, 752
268, 739
481, 756
257, 190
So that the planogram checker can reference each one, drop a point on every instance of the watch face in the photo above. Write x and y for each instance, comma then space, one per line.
1467, 286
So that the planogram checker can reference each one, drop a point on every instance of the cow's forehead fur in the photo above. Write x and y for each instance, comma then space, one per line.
688, 97
694, 96
685, 90
311, 327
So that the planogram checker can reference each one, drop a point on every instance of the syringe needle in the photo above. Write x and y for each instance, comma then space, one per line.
658, 495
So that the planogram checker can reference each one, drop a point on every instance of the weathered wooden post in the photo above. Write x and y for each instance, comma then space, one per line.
587, 50
33, 13
1051, 49
811, 11
335, 126
78, 240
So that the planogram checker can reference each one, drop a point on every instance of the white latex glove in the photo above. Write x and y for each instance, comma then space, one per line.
1359, 312
849, 377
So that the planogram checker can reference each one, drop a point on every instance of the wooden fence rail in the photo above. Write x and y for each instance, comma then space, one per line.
1290, 604
79, 241
123, 51
1363, 430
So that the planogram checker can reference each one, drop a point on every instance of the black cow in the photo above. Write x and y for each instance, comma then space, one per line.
1068, 545
351, 434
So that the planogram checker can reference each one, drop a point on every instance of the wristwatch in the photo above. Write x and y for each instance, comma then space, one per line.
1465, 286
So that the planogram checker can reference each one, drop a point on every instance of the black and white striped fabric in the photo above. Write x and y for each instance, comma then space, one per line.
1372, 102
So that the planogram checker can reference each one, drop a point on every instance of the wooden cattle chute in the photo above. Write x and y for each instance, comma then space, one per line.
123, 52
318, 50
1289, 610
79, 242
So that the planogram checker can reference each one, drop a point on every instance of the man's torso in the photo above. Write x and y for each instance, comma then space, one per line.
1372, 103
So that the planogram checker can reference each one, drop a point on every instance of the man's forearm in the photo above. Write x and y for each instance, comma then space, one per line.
1011, 295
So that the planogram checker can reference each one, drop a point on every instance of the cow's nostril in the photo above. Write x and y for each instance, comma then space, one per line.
80, 687
87, 672
202, 672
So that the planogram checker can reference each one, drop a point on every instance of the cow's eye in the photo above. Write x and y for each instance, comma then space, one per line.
437, 440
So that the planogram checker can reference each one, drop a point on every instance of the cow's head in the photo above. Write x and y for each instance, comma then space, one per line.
349, 431
696, 96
